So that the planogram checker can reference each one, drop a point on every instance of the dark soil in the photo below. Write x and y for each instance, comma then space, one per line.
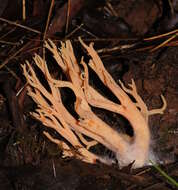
118, 28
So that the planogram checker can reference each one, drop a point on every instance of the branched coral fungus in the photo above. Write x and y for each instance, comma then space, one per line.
76, 132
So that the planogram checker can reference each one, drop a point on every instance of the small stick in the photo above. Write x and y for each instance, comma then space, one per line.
68, 16
20, 25
23, 10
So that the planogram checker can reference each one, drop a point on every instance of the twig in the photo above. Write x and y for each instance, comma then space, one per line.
20, 25
23, 9
68, 16
13, 56
47, 24
48, 19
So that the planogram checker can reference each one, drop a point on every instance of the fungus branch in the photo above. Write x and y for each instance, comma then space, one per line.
77, 131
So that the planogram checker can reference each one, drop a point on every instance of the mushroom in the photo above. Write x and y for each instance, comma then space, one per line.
88, 130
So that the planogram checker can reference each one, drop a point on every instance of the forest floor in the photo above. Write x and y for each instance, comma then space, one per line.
122, 32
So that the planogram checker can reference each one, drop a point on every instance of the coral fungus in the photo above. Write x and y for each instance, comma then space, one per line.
88, 129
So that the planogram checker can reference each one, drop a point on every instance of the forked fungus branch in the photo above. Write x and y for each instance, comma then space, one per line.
53, 114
